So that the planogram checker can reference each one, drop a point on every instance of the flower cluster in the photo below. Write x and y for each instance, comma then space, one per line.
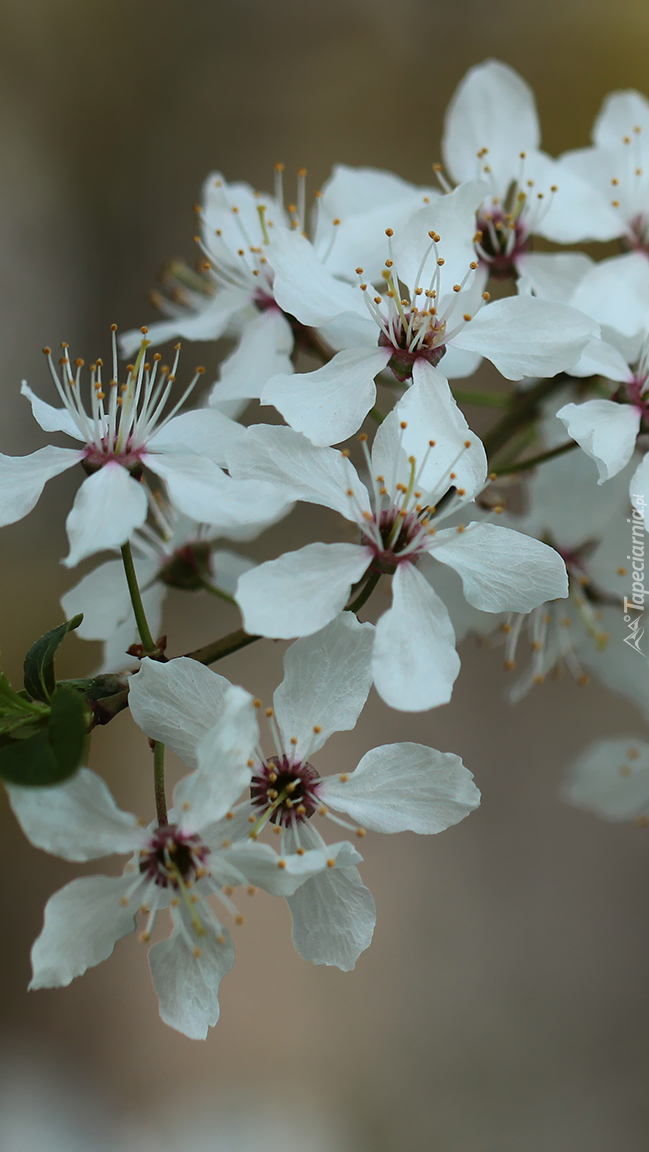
357, 319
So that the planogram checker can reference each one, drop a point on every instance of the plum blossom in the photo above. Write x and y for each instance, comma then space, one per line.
235, 295
175, 866
608, 429
492, 133
582, 635
395, 788
125, 435
616, 165
431, 261
611, 779
423, 456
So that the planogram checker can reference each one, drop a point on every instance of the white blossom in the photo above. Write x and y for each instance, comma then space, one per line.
395, 788
611, 779
421, 453
432, 262
125, 435
492, 133
236, 295
175, 866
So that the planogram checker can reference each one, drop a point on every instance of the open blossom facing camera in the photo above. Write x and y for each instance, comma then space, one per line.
395, 788
235, 295
422, 453
431, 305
492, 133
176, 865
127, 432
529, 535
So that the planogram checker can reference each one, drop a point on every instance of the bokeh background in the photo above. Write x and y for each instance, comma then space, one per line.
503, 1005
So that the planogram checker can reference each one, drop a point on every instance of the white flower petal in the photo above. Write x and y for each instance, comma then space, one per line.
300, 592
620, 113
299, 468
78, 820
200, 489
605, 430
187, 983
333, 914
263, 351
611, 779
107, 509
615, 292
492, 108
103, 598
177, 703
224, 755
429, 410
524, 336
453, 217
265, 868
552, 276
22, 479
51, 419
303, 287
404, 788
205, 431
83, 922
327, 679
227, 567
599, 358
209, 323
415, 662
330, 404
365, 202
502, 570
576, 211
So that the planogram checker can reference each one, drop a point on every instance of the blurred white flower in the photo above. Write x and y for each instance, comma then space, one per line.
611, 779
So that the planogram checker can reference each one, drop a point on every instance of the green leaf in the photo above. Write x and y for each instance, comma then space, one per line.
40, 681
68, 729
54, 754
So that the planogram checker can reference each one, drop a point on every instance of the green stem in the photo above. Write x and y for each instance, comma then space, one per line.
148, 643
159, 782
216, 591
483, 399
532, 461
364, 594
376, 415
523, 409
225, 646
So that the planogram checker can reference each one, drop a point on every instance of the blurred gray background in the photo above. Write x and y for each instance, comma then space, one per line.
503, 1006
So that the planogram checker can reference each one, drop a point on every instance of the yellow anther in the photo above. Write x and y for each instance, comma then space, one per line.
331, 863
